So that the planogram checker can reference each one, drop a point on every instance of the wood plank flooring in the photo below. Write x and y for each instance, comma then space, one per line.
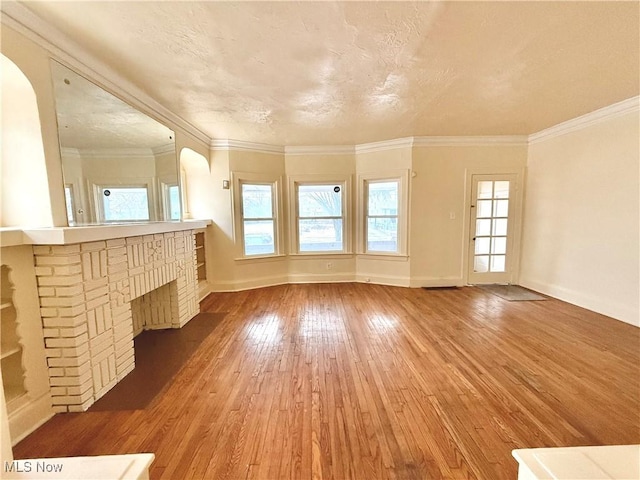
359, 381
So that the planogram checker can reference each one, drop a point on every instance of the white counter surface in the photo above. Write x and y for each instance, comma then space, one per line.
617, 462
107, 467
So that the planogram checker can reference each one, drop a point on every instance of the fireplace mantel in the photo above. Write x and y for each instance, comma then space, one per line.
91, 233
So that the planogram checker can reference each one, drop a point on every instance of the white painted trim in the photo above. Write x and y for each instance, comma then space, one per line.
71, 54
418, 282
593, 118
322, 278
320, 150
393, 144
109, 152
220, 144
94, 233
377, 279
250, 284
601, 305
469, 141
29, 417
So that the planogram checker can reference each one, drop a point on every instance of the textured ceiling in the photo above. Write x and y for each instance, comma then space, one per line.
311, 73
90, 118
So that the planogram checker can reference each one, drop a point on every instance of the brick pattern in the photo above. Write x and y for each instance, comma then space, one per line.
93, 296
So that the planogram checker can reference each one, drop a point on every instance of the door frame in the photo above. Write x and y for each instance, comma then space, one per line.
518, 197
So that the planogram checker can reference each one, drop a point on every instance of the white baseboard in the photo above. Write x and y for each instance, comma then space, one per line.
250, 284
391, 280
30, 417
590, 302
418, 282
322, 278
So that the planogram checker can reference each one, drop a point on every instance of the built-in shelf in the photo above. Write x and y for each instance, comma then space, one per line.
13, 373
201, 264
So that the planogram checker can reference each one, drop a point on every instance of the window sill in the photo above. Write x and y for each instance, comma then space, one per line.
260, 258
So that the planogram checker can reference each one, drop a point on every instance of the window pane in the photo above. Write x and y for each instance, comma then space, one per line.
68, 198
484, 208
382, 234
320, 235
259, 237
499, 245
484, 189
481, 264
500, 226
502, 189
497, 263
501, 208
256, 201
174, 203
383, 198
320, 201
483, 227
125, 203
482, 245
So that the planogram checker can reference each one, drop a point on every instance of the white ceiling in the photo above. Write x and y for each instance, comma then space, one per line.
90, 118
313, 73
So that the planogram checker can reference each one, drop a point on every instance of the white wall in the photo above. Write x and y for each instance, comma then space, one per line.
580, 237
25, 190
439, 191
33, 61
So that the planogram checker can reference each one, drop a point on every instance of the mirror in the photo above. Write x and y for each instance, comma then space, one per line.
118, 164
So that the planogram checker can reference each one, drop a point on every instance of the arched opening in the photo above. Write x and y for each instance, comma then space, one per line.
25, 191
197, 198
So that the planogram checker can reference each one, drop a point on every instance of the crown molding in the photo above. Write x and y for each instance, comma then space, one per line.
164, 149
242, 146
108, 152
593, 118
396, 143
71, 54
475, 141
320, 150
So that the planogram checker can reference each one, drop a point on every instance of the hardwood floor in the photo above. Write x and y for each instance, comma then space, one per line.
365, 382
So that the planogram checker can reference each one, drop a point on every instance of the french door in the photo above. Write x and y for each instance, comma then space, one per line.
491, 231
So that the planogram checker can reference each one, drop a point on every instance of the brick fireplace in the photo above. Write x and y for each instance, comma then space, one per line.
89, 319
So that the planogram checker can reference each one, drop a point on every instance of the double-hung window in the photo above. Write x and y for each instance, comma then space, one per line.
321, 224
382, 210
258, 219
382, 224
257, 213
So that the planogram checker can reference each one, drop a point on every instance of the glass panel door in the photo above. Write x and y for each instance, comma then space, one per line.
489, 247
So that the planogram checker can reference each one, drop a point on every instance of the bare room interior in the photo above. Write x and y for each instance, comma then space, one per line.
314, 240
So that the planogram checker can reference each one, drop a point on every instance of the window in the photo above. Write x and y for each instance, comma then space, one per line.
70, 203
171, 201
124, 203
382, 211
258, 219
382, 215
320, 217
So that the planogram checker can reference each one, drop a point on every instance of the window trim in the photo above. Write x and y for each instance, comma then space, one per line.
99, 186
400, 176
237, 180
344, 181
